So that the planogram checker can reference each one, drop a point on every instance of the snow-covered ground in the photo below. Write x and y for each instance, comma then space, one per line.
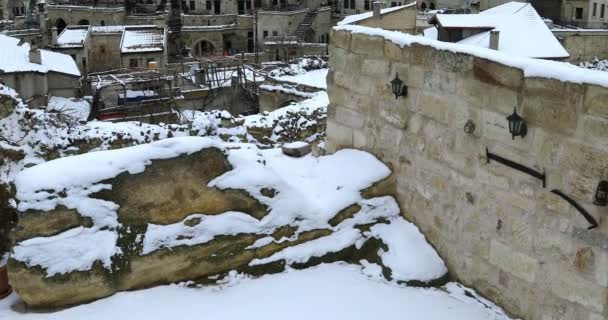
309, 71
310, 191
330, 291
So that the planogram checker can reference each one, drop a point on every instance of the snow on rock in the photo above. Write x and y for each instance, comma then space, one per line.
301, 253
68, 182
328, 291
309, 189
409, 255
74, 250
83, 171
179, 234
310, 71
79, 109
312, 78
530, 67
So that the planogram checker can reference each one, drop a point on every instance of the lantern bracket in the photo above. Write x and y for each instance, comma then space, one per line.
578, 207
517, 166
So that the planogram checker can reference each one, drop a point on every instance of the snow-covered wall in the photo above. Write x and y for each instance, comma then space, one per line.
498, 228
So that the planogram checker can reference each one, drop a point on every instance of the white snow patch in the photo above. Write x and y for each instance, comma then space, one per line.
330, 291
77, 108
74, 250
210, 226
409, 256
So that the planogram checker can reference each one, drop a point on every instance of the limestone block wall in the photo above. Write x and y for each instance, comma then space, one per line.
403, 20
497, 228
584, 45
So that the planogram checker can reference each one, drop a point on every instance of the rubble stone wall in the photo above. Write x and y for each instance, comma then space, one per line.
499, 230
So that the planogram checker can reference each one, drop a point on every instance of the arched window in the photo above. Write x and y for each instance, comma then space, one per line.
84, 22
432, 6
423, 6
60, 25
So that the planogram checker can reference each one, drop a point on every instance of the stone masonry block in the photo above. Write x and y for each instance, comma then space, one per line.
349, 118
367, 45
395, 53
516, 263
338, 136
376, 68
341, 39
596, 99
552, 104
449, 61
496, 74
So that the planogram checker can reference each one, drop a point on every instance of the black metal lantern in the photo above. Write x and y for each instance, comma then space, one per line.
601, 194
398, 88
517, 125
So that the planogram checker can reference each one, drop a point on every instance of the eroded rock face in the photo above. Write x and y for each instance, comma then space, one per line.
171, 226
166, 192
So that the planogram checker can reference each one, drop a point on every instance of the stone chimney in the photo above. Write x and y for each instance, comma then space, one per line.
494, 38
35, 54
474, 6
377, 7
54, 36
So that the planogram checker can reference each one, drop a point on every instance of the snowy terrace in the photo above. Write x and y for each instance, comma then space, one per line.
142, 39
73, 37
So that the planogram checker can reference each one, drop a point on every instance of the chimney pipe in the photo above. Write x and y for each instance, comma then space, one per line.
474, 7
377, 7
494, 39
54, 36
35, 54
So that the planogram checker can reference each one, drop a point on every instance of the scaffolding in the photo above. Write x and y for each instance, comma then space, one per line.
126, 94
215, 74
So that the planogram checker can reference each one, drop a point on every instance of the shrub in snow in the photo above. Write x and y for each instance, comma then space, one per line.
8, 219
595, 64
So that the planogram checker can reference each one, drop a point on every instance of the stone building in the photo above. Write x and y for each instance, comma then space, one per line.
37, 74
505, 212
514, 28
401, 18
97, 48
585, 13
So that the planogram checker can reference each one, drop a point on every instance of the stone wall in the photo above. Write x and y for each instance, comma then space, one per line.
74, 15
584, 45
497, 228
403, 20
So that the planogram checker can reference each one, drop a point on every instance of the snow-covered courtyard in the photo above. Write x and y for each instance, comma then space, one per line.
404, 278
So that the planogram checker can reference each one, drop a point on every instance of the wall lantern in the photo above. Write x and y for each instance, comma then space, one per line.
398, 88
601, 194
517, 125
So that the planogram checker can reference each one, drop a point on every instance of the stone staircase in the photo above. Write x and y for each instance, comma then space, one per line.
305, 25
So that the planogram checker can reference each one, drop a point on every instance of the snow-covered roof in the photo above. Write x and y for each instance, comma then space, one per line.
358, 17
107, 29
522, 30
461, 21
73, 37
15, 58
142, 39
